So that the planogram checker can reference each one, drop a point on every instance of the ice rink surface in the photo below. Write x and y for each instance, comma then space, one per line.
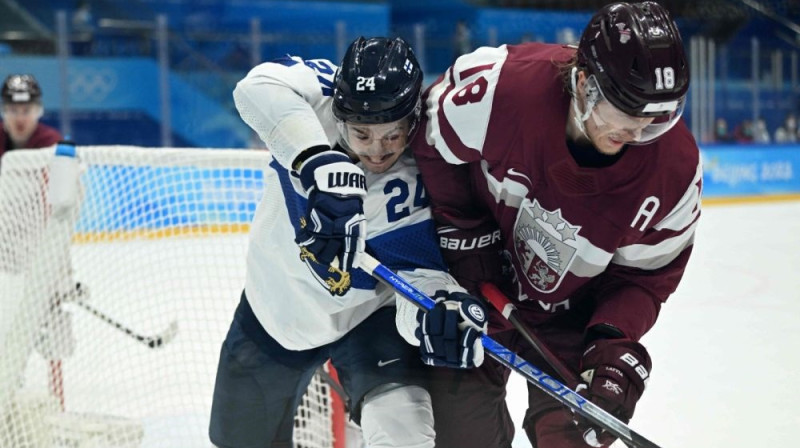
726, 347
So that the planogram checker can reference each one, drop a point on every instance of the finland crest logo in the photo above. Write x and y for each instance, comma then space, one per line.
545, 245
333, 279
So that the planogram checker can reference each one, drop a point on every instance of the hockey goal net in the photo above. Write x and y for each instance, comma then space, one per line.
129, 358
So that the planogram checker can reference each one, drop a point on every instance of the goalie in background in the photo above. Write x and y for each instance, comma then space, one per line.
578, 160
338, 138
20, 129
57, 201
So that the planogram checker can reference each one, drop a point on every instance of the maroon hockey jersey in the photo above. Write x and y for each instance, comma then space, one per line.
494, 142
42, 137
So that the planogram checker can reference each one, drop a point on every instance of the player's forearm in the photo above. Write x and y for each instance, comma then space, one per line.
284, 121
631, 310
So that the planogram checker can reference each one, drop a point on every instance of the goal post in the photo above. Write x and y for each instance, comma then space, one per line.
159, 248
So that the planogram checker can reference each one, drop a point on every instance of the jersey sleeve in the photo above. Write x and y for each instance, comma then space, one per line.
642, 275
459, 108
282, 101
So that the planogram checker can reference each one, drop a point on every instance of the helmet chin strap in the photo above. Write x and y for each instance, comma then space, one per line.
577, 116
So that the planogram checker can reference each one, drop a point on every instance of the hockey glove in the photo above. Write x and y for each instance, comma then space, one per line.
615, 372
472, 250
334, 223
449, 334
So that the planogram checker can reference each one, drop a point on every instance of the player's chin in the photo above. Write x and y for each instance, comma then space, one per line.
610, 146
377, 168
21, 135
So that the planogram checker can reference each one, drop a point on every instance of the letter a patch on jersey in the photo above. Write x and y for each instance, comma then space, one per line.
545, 245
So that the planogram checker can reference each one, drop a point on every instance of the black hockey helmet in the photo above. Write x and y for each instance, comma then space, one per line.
379, 81
21, 89
636, 54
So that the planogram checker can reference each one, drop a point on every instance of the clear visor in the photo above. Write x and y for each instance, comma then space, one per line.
626, 128
377, 140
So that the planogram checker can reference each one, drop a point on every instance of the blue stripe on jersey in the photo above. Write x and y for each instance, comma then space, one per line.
296, 206
409, 247
295, 203
323, 68
285, 60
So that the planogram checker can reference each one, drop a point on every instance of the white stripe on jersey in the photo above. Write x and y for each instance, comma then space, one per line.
682, 218
592, 260
645, 256
508, 190
687, 209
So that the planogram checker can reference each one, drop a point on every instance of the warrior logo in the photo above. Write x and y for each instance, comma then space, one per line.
545, 245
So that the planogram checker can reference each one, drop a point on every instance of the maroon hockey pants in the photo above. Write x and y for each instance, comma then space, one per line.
469, 405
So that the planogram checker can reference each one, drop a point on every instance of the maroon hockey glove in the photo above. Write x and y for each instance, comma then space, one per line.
472, 250
615, 372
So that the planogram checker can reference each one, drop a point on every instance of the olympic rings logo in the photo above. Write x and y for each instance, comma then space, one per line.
92, 84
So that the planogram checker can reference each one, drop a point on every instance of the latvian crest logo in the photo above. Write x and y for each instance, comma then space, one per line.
545, 245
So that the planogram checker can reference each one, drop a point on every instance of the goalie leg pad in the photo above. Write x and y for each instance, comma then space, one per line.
395, 415
56, 339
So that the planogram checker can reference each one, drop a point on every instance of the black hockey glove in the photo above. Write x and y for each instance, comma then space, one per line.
449, 334
334, 224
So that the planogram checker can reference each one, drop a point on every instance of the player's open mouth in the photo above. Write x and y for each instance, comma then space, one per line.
379, 164
615, 142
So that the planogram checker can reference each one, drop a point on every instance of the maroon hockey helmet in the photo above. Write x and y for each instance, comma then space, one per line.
21, 89
636, 54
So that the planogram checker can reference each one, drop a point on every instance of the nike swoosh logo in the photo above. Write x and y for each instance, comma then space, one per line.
386, 363
513, 172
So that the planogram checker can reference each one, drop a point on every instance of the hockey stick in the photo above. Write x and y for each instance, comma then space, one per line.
543, 381
154, 341
508, 310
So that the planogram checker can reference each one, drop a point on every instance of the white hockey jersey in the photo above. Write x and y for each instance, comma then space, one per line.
300, 303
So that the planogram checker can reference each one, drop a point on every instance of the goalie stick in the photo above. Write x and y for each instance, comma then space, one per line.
532, 374
154, 341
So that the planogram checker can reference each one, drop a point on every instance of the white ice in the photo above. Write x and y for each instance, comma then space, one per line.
726, 347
